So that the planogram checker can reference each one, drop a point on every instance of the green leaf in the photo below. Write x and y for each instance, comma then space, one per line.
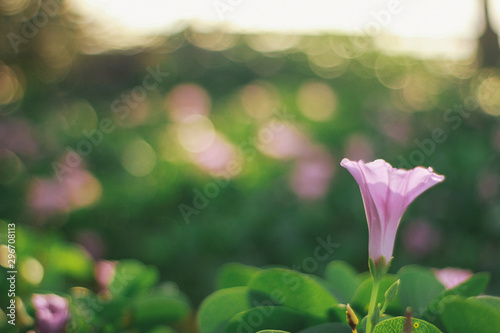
235, 275
418, 288
324, 283
218, 308
158, 309
343, 278
292, 289
490, 300
133, 278
70, 260
363, 276
266, 317
337, 314
272, 331
396, 324
171, 289
328, 328
461, 315
473, 286
362, 296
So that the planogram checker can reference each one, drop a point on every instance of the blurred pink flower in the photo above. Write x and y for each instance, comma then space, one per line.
421, 237
452, 277
311, 176
186, 100
51, 196
282, 141
104, 272
47, 196
387, 192
82, 188
395, 126
220, 157
359, 147
52, 313
15, 135
92, 242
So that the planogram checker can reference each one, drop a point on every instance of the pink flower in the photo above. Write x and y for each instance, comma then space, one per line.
311, 176
387, 192
452, 277
52, 313
104, 273
421, 237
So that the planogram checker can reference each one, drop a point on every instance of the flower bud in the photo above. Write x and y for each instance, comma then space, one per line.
52, 313
392, 292
352, 319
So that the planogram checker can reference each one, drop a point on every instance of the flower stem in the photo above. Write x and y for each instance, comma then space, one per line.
373, 303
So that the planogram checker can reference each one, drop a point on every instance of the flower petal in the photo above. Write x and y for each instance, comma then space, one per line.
386, 193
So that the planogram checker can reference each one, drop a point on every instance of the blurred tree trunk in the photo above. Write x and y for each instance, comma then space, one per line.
488, 42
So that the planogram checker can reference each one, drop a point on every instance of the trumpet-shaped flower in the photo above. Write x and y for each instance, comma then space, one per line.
52, 313
386, 193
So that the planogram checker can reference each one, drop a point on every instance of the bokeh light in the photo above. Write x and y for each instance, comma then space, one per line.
4, 255
139, 158
196, 133
54, 196
47, 197
82, 188
317, 101
220, 157
31, 270
259, 99
268, 43
16, 135
79, 117
282, 140
421, 237
11, 89
186, 100
359, 147
311, 176
488, 94
212, 41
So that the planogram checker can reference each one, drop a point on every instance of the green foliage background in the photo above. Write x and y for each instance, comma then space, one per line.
256, 219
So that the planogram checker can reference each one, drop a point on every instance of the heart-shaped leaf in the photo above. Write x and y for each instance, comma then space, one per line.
490, 300
235, 275
465, 315
473, 286
292, 289
396, 325
218, 308
343, 279
419, 286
